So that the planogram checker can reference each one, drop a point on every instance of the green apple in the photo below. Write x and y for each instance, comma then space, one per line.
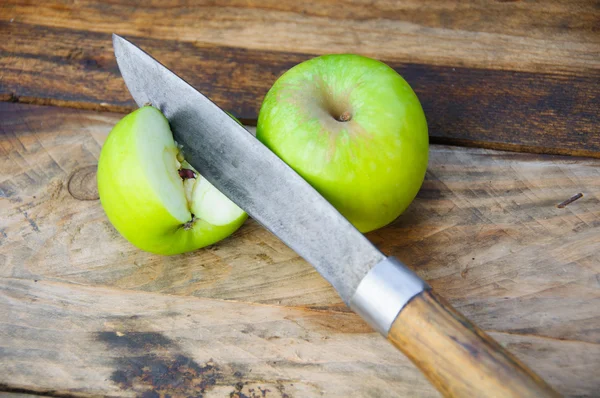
152, 196
354, 129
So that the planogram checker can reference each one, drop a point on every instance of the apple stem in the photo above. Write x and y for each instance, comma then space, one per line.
345, 117
186, 173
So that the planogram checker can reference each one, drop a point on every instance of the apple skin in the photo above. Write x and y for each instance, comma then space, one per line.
369, 167
136, 204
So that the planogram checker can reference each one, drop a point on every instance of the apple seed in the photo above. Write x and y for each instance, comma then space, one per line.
186, 173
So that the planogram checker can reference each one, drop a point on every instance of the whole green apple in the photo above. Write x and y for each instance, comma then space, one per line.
152, 196
354, 129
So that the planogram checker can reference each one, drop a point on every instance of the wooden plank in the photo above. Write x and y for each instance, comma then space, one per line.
545, 111
485, 231
73, 339
82, 340
555, 35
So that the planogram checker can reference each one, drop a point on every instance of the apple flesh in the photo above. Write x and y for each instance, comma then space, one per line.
152, 196
354, 129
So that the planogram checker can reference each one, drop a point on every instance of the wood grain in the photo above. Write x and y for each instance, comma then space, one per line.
83, 313
485, 231
62, 55
560, 36
457, 357
93, 341
83, 341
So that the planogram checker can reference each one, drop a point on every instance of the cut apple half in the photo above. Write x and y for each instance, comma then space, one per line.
152, 196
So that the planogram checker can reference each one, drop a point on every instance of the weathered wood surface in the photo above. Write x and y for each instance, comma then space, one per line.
73, 339
526, 36
484, 231
83, 340
522, 76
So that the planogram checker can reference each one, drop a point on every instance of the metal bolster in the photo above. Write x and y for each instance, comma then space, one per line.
384, 291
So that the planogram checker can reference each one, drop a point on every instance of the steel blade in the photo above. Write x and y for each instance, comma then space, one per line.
247, 172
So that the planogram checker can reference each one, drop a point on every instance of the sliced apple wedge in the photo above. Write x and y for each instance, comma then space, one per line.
152, 196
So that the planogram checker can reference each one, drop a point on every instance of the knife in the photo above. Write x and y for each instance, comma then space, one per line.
459, 359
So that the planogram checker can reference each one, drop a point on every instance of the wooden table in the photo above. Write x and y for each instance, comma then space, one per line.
83, 313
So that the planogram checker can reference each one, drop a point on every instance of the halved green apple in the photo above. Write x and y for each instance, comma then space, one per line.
152, 196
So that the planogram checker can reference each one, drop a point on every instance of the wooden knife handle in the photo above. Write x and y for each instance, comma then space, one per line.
458, 358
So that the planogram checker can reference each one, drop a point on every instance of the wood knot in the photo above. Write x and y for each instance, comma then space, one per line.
82, 184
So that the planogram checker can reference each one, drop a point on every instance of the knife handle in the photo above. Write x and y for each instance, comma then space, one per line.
458, 358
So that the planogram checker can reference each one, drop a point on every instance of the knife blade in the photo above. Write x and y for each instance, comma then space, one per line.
377, 287
259, 182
